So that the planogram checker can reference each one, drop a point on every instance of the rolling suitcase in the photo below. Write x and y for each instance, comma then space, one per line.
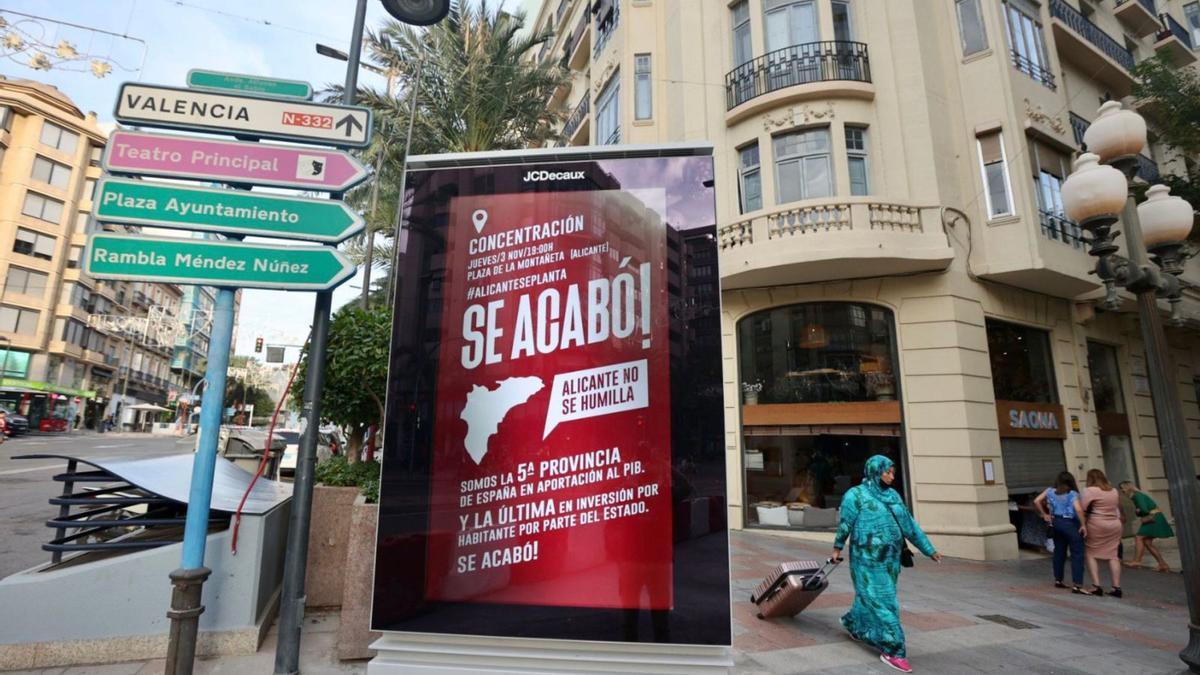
791, 587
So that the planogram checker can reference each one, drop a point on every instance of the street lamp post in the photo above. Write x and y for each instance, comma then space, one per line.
1095, 193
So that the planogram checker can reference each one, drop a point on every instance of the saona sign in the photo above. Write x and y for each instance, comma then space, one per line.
138, 202
1019, 419
215, 263
257, 116
263, 86
144, 154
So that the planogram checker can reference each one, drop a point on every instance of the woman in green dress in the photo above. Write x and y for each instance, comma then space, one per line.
876, 523
1154, 525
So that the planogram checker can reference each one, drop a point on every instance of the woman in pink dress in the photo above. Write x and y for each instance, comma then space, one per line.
1102, 509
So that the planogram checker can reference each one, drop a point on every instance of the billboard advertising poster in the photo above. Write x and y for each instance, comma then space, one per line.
554, 442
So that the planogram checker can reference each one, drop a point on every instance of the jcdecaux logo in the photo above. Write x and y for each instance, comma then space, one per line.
534, 176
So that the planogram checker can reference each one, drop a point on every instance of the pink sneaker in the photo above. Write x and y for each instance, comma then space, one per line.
896, 662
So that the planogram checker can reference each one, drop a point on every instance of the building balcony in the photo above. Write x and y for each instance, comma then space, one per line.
1138, 16
1088, 46
1147, 168
580, 45
838, 238
1174, 41
576, 127
814, 69
608, 17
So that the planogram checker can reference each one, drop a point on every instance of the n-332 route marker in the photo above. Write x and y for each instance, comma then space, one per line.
243, 115
197, 158
135, 257
139, 202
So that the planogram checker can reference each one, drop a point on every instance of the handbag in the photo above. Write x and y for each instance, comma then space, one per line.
906, 554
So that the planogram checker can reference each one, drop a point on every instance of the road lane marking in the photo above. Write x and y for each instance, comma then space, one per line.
118, 445
34, 443
30, 469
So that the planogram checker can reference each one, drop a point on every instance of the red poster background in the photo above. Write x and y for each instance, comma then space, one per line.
624, 562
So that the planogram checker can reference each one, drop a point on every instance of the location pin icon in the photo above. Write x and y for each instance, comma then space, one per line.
479, 219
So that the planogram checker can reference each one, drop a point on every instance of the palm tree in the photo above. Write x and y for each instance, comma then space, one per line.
476, 90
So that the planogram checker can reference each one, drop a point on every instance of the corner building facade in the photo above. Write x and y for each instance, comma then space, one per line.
897, 273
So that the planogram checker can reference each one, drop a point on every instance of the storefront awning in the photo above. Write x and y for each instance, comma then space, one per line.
33, 387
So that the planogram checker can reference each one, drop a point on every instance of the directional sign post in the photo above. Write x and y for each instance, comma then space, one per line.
257, 116
215, 263
139, 202
262, 86
134, 152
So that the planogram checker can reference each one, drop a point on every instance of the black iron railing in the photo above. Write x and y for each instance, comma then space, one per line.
1173, 27
577, 117
798, 64
1079, 23
1060, 228
1078, 127
605, 27
1037, 72
613, 138
1148, 4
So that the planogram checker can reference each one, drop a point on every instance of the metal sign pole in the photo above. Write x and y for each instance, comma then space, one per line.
188, 580
295, 565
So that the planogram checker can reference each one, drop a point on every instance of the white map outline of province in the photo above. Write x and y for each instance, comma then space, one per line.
486, 409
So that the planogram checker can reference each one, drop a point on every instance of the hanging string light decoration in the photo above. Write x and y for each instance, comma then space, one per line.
34, 42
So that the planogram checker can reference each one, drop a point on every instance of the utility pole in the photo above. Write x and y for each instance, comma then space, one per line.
292, 598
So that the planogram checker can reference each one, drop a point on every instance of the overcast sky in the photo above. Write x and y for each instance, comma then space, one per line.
169, 37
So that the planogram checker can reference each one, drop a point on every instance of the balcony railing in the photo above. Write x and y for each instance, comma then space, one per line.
605, 27
1078, 127
1060, 228
1037, 72
1148, 4
1173, 27
614, 137
795, 65
1059, 9
577, 117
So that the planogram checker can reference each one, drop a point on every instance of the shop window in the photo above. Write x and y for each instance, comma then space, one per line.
749, 178
42, 207
18, 320
54, 136
995, 174
856, 157
51, 173
817, 353
34, 244
14, 364
802, 165
1108, 399
25, 282
1022, 366
970, 26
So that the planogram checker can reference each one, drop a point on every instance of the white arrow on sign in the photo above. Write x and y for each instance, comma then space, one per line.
302, 121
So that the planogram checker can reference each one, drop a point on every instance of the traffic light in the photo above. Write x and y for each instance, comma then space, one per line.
258, 342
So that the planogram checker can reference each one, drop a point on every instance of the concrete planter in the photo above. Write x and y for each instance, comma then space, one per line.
328, 536
354, 634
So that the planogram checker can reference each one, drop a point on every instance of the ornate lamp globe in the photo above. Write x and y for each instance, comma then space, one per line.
1094, 191
1166, 222
1117, 132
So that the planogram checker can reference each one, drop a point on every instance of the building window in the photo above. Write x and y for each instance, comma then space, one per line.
749, 178
89, 189
995, 175
856, 157
56, 137
16, 364
790, 22
42, 208
802, 166
73, 257
18, 320
6, 118
843, 30
96, 153
1022, 365
35, 244
51, 173
970, 27
1050, 167
743, 50
74, 332
642, 87
1025, 38
608, 112
25, 282
81, 221
1191, 16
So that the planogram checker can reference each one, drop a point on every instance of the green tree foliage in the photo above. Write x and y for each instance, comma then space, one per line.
355, 371
1170, 98
474, 91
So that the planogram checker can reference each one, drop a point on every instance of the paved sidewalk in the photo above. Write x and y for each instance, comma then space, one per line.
943, 609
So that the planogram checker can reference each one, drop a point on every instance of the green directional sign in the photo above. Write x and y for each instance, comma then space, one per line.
215, 263
140, 202
264, 86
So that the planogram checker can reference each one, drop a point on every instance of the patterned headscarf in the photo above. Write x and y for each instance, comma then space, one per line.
873, 479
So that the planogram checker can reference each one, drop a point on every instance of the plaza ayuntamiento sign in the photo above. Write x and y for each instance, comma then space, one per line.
569, 459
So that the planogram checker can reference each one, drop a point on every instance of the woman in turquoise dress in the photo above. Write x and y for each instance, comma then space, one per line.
876, 523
